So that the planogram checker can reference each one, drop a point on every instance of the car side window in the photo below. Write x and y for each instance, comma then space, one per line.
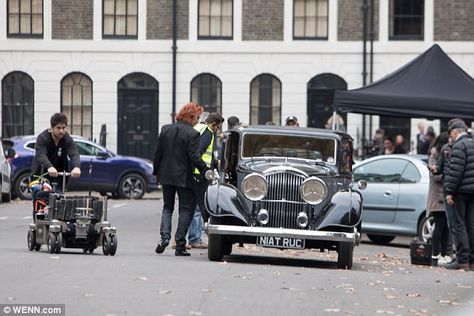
31, 145
410, 174
87, 149
381, 171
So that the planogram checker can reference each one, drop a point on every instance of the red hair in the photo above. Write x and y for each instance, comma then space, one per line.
189, 112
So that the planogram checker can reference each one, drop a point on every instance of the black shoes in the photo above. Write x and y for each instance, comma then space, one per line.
162, 246
454, 265
181, 252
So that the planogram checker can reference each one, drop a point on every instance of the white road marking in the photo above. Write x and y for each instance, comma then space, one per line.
3, 217
119, 205
26, 217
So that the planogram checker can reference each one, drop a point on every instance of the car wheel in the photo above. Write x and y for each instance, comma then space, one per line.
380, 239
21, 186
54, 242
6, 197
132, 186
216, 247
426, 227
345, 255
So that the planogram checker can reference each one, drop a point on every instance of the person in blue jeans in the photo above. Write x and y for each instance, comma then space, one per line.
208, 130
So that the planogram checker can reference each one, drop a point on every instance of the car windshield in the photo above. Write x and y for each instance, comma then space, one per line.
291, 146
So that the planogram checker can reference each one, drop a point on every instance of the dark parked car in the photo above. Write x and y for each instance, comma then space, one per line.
286, 187
123, 176
5, 174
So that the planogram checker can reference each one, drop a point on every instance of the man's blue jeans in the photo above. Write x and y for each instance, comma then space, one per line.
195, 229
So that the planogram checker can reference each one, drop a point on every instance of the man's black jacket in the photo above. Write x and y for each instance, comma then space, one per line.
460, 178
49, 155
177, 153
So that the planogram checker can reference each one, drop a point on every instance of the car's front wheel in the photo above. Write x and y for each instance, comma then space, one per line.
426, 228
132, 186
345, 255
20, 188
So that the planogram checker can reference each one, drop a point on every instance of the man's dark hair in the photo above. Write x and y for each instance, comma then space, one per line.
379, 131
214, 118
232, 122
58, 118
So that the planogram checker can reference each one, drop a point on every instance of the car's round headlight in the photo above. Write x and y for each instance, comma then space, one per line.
254, 186
313, 190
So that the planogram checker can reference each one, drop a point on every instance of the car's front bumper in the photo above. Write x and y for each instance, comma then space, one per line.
353, 237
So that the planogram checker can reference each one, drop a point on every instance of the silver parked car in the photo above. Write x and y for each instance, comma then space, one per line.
396, 197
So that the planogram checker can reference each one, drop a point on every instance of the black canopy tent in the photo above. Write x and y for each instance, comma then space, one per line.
430, 86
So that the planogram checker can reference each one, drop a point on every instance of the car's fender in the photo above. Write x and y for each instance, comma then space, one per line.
225, 200
345, 209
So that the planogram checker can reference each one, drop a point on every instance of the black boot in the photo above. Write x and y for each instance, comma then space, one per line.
181, 252
162, 246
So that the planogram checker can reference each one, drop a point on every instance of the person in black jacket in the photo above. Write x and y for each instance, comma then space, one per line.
52, 149
459, 187
176, 156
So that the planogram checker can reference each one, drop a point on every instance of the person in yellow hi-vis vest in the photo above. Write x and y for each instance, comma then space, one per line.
208, 130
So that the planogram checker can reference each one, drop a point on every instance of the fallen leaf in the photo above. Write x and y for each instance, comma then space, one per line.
143, 278
413, 295
206, 290
336, 310
165, 291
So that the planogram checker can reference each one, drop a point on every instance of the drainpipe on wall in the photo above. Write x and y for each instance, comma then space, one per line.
371, 68
364, 66
174, 49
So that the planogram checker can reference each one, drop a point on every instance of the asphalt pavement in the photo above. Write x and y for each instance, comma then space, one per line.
252, 281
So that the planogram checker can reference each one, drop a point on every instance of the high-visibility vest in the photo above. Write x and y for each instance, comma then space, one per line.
207, 156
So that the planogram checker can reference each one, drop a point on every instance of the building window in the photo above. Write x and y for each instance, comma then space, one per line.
25, 18
265, 100
407, 19
17, 105
310, 19
206, 90
76, 103
215, 19
120, 18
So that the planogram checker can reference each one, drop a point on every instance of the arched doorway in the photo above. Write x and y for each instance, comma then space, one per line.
137, 115
17, 104
321, 97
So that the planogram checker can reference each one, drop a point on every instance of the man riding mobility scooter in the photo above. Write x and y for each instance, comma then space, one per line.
68, 221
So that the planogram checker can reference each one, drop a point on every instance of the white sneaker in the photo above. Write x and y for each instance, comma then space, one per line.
444, 260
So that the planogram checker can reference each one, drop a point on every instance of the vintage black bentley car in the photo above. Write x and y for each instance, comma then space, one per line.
285, 187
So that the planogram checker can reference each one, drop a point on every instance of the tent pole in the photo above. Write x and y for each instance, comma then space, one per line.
364, 65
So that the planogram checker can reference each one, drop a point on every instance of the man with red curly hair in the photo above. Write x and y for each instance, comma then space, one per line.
177, 154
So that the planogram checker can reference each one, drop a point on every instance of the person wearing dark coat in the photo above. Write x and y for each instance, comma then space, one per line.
459, 187
52, 149
176, 157
436, 206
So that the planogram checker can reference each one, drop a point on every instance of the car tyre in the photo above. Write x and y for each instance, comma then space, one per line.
20, 187
380, 239
345, 255
132, 186
109, 245
216, 246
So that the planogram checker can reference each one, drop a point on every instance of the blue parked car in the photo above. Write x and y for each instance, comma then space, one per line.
395, 198
123, 176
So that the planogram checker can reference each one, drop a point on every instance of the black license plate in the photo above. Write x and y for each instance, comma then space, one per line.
280, 242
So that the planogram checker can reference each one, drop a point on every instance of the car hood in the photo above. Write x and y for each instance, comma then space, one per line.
310, 167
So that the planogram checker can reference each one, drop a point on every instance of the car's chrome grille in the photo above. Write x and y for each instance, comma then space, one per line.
283, 201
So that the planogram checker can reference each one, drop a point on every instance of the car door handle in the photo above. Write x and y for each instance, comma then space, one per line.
388, 194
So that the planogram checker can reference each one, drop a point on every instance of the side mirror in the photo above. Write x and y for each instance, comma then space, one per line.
10, 153
103, 155
361, 185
